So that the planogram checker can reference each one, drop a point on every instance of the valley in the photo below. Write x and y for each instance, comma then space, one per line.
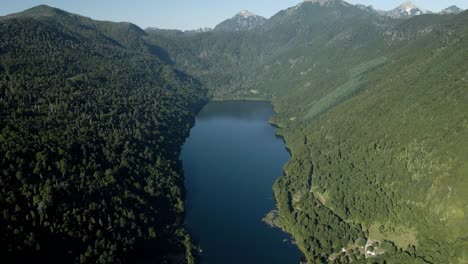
373, 108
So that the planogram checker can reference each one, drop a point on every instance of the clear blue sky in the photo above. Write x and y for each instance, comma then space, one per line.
189, 14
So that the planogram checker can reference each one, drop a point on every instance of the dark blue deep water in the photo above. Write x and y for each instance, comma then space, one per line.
231, 160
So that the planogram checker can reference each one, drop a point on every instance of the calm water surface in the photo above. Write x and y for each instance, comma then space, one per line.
231, 160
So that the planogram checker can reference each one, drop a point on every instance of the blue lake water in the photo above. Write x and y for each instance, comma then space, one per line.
231, 160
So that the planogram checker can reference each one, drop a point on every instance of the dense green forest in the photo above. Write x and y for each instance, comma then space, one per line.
91, 124
374, 111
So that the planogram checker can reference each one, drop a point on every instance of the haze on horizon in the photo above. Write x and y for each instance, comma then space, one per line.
188, 14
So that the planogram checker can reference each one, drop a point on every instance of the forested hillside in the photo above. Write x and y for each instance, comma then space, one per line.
373, 109
91, 123
386, 150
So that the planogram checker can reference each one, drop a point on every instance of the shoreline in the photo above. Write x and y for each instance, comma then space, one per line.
239, 99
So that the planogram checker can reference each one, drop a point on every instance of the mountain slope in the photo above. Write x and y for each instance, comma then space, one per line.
90, 135
378, 159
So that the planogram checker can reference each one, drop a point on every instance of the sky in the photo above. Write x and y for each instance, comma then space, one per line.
190, 14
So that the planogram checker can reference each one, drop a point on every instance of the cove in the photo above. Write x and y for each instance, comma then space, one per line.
231, 160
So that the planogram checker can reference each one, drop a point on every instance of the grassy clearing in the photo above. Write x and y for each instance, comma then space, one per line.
346, 90
402, 236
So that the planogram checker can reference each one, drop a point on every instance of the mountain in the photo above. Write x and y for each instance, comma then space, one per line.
125, 33
243, 21
451, 10
406, 9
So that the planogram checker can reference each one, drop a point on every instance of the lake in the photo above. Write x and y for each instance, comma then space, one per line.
231, 160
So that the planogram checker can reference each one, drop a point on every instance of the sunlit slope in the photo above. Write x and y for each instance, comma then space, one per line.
386, 149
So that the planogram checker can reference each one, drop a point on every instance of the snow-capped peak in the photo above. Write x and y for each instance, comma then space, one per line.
407, 9
242, 21
407, 6
246, 13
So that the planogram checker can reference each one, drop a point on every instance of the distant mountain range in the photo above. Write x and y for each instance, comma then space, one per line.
246, 21
408, 9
